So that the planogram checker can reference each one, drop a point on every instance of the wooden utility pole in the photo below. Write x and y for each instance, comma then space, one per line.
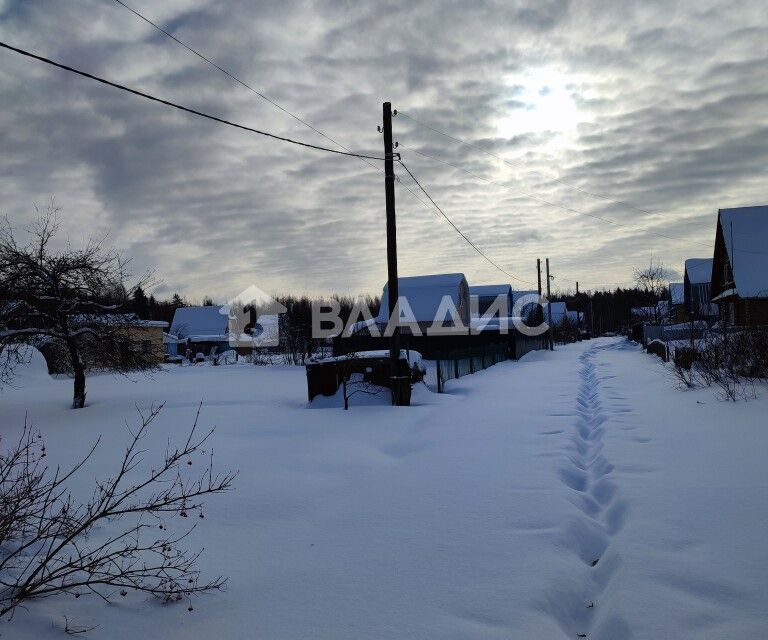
538, 272
578, 312
539, 310
549, 313
392, 285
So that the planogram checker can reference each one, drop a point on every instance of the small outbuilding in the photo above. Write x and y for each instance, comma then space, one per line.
697, 288
482, 296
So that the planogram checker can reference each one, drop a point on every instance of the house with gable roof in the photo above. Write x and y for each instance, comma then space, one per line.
740, 266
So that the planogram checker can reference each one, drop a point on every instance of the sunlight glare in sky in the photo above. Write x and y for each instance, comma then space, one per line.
540, 100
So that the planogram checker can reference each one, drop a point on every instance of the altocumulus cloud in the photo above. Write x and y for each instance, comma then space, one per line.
657, 104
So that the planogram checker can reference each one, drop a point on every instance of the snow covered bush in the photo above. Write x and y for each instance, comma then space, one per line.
684, 357
682, 363
731, 360
658, 348
119, 540
751, 351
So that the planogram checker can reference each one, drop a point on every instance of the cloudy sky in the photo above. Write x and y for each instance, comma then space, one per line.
649, 114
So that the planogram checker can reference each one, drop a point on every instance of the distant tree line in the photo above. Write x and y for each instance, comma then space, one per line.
147, 307
608, 310
297, 342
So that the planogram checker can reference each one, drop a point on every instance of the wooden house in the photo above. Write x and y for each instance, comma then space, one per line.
147, 335
740, 266
677, 302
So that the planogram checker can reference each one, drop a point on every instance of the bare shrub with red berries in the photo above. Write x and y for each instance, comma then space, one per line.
116, 542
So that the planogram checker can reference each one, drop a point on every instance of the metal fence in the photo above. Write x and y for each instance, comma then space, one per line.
682, 331
463, 362
524, 344
455, 356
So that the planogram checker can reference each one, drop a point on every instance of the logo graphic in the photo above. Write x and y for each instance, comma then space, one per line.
253, 319
528, 318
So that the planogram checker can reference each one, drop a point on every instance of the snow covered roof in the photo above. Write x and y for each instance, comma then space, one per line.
491, 290
575, 316
559, 311
745, 232
199, 322
516, 295
662, 307
494, 324
435, 280
424, 294
413, 357
117, 319
138, 322
725, 295
699, 270
677, 292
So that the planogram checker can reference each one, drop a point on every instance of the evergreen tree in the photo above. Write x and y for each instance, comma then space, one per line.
140, 303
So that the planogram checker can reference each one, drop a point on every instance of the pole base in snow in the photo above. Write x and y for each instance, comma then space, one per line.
401, 391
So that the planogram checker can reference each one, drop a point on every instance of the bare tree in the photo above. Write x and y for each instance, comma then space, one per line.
353, 381
68, 300
46, 535
654, 280
295, 342
11, 355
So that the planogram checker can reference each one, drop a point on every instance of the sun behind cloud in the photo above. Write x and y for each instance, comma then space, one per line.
540, 101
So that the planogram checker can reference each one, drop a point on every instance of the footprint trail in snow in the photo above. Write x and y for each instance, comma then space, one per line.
575, 601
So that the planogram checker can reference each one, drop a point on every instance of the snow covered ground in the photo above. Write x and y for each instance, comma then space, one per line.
574, 492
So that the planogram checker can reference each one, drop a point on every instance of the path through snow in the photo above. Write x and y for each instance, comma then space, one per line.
601, 515
574, 492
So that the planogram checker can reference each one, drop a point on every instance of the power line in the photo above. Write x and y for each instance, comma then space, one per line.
345, 151
562, 206
459, 231
472, 244
236, 125
538, 198
565, 277
270, 101
235, 78
478, 177
260, 94
183, 108
267, 98
329, 138
510, 163
519, 193
365, 158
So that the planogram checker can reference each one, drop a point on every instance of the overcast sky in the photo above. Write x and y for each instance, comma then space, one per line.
659, 105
